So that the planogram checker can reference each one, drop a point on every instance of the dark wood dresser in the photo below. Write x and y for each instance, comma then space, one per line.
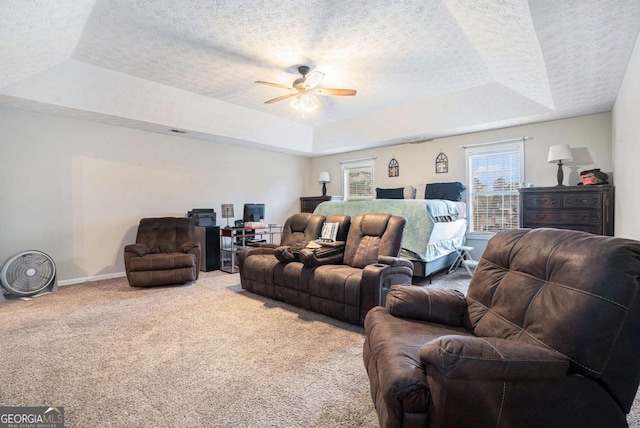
586, 208
309, 203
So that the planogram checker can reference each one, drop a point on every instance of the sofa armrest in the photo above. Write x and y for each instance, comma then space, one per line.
286, 254
138, 250
492, 359
441, 305
326, 255
395, 261
246, 252
264, 245
188, 246
334, 244
256, 250
376, 281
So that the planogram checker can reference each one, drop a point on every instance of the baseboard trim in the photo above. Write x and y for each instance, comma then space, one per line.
91, 278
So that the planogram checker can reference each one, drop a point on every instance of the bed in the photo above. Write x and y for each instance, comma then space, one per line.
435, 227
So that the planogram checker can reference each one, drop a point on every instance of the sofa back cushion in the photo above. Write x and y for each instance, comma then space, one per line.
371, 236
165, 234
569, 291
301, 228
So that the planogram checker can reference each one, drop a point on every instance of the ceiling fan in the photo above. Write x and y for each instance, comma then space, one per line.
304, 90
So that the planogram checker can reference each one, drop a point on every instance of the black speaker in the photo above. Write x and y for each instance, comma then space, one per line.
209, 238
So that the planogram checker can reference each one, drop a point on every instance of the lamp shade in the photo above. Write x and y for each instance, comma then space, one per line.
227, 210
560, 152
324, 177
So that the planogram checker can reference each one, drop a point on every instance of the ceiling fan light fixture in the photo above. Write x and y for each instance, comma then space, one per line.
313, 79
303, 91
305, 102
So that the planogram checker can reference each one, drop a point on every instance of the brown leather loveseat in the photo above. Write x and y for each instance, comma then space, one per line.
547, 336
343, 280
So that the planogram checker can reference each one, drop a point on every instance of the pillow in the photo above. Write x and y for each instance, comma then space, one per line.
397, 193
409, 192
450, 191
329, 231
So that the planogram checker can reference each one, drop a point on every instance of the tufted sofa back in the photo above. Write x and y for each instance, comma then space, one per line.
165, 234
371, 236
301, 228
570, 291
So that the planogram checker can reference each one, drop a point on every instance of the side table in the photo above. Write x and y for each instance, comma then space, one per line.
466, 257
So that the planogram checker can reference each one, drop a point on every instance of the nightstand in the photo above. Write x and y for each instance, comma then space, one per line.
309, 203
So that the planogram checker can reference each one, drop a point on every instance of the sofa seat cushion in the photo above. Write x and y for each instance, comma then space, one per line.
164, 261
340, 283
260, 267
392, 356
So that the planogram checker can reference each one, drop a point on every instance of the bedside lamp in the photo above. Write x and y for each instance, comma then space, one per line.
324, 178
227, 212
559, 153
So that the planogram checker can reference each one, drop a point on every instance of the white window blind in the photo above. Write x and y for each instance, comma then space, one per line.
358, 180
495, 172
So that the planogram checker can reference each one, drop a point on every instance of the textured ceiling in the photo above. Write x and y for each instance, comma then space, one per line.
160, 64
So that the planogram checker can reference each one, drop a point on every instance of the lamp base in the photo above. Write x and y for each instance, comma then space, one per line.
560, 175
324, 189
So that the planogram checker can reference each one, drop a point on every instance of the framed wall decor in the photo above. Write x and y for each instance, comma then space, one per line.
442, 163
394, 168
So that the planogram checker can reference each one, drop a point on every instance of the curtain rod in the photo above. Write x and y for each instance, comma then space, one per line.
357, 160
497, 142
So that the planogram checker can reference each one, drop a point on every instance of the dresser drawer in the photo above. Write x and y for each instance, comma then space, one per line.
562, 216
577, 200
543, 200
551, 217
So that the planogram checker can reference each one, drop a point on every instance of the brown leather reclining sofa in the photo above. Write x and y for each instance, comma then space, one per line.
547, 336
343, 279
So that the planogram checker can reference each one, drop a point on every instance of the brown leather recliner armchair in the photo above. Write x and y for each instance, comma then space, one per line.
547, 336
166, 252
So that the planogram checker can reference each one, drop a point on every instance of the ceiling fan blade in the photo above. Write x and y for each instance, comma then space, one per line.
312, 79
335, 92
281, 98
277, 85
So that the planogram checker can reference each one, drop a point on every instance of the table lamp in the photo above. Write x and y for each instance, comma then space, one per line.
227, 212
559, 153
324, 178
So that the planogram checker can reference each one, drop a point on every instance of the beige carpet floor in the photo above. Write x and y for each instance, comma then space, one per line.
202, 355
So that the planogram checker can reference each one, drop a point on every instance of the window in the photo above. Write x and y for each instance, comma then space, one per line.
494, 172
357, 179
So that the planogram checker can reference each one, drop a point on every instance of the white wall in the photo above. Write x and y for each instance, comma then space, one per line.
417, 161
76, 189
626, 149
